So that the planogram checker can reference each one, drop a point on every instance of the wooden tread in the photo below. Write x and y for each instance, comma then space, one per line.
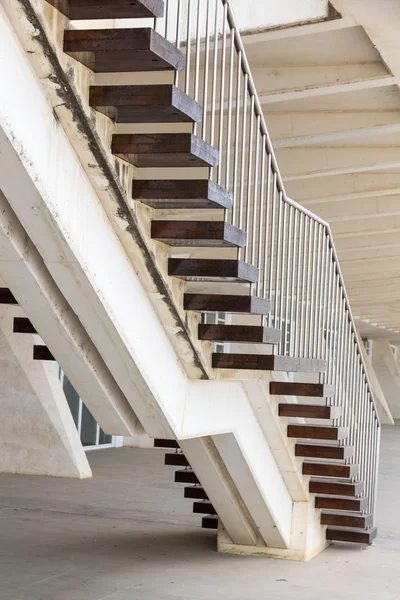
23, 325
329, 487
6, 297
165, 443
341, 503
195, 492
318, 469
172, 150
185, 193
309, 411
122, 50
226, 303
204, 508
249, 334
145, 104
176, 460
202, 234
106, 9
311, 450
356, 536
210, 522
42, 353
186, 476
344, 519
266, 362
208, 269
314, 390
317, 432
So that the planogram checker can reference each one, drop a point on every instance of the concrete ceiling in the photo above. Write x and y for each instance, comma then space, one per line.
332, 104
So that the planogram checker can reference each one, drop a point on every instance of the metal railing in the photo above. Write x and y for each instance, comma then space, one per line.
292, 248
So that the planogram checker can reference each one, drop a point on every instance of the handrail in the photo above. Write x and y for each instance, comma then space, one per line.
292, 247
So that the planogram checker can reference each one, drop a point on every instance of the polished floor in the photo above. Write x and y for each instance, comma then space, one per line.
128, 534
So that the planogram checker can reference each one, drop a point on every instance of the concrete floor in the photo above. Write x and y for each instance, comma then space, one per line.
128, 534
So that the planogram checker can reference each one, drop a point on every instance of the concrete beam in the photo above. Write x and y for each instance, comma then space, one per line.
298, 30
323, 162
388, 374
328, 90
337, 137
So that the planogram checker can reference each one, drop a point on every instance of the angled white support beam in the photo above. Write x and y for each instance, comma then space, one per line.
326, 139
307, 124
308, 163
353, 196
282, 79
328, 90
298, 30
386, 229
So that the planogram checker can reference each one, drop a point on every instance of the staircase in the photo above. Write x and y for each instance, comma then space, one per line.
278, 259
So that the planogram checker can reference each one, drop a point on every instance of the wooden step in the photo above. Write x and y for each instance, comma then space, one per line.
165, 443
329, 487
122, 50
356, 536
195, 491
314, 390
202, 234
186, 476
309, 411
266, 362
109, 9
145, 104
343, 519
23, 325
185, 193
204, 508
341, 503
210, 522
6, 297
171, 150
310, 450
176, 460
249, 334
226, 303
42, 353
208, 269
330, 470
316, 432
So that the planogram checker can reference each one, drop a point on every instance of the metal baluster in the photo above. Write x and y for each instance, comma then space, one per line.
261, 218
178, 39
298, 295
214, 75
293, 325
272, 244
270, 181
281, 276
289, 277
256, 198
237, 135
188, 47
222, 97
206, 72
243, 151
319, 287
230, 112
278, 259
245, 252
